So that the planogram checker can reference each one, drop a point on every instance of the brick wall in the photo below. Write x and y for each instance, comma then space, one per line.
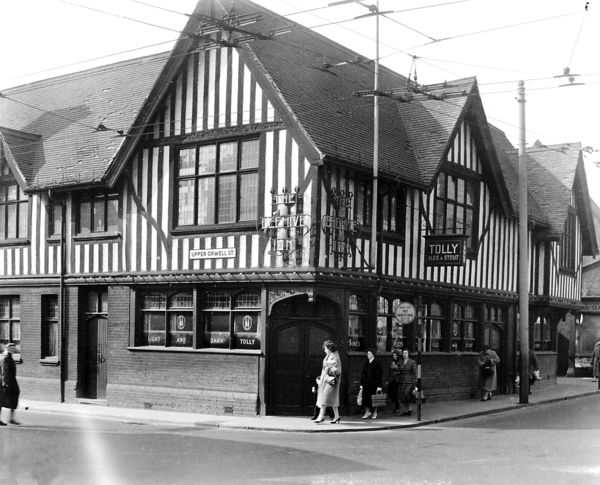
36, 380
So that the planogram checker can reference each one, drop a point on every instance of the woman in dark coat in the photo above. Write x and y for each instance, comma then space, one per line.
9, 389
370, 383
407, 373
394, 381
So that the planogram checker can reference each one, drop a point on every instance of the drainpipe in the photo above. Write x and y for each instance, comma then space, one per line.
61, 295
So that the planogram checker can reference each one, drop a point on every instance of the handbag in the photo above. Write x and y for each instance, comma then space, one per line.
487, 369
359, 398
378, 400
536, 375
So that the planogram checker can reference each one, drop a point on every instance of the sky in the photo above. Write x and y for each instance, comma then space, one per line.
498, 41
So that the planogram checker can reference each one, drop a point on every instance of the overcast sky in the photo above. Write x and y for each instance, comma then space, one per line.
498, 41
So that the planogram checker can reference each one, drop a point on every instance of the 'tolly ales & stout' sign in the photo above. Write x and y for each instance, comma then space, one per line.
445, 250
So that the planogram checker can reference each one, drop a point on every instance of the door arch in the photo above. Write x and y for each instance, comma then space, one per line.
297, 328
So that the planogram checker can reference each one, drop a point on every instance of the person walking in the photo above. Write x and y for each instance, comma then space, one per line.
9, 389
328, 394
394, 381
487, 361
370, 383
407, 370
595, 362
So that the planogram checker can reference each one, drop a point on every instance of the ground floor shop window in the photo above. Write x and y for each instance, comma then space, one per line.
49, 327
231, 321
432, 325
462, 335
391, 334
357, 323
168, 319
10, 322
542, 334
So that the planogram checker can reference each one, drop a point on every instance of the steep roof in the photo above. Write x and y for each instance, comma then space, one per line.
558, 171
65, 113
596, 216
509, 163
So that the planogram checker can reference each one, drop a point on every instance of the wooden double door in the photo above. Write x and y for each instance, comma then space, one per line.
295, 360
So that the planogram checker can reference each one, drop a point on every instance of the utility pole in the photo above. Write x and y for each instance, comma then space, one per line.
373, 261
523, 254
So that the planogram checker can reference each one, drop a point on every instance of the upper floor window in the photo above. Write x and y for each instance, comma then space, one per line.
217, 183
567, 243
455, 209
98, 213
14, 205
54, 219
391, 206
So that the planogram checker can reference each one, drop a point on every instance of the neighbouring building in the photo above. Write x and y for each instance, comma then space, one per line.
183, 231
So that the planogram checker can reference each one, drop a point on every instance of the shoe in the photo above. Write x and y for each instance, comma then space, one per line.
395, 411
374, 415
2, 423
409, 412
12, 421
366, 416
314, 417
405, 413
317, 421
335, 421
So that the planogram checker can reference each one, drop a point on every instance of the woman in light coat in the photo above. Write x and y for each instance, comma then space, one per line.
328, 394
489, 381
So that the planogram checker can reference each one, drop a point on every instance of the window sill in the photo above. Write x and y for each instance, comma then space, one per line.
234, 227
99, 236
53, 240
568, 271
14, 242
155, 348
50, 361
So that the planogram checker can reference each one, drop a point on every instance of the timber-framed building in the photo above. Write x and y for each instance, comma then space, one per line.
183, 231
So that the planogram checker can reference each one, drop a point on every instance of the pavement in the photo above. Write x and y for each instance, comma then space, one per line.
431, 412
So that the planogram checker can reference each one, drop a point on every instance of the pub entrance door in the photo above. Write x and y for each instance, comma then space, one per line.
296, 359
95, 379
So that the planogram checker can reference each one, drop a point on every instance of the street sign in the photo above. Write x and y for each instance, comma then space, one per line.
405, 312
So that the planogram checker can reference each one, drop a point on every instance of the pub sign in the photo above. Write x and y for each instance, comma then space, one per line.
445, 250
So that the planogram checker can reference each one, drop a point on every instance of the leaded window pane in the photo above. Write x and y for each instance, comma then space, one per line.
248, 196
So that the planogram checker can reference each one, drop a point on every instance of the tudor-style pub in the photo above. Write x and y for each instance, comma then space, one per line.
183, 231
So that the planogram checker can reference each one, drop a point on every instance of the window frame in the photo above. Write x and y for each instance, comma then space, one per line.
393, 338
568, 243
357, 322
463, 321
50, 329
543, 333
468, 179
12, 320
238, 339
215, 175
104, 197
425, 321
394, 207
20, 203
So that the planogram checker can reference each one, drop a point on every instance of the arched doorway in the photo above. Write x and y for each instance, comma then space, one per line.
297, 330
